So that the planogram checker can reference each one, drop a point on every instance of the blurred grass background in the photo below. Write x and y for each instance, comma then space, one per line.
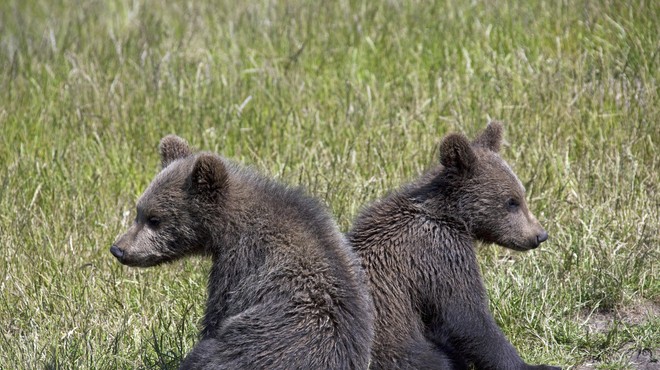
346, 98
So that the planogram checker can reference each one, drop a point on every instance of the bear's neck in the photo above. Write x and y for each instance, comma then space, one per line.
438, 204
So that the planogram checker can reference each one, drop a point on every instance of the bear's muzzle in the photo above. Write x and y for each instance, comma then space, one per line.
117, 252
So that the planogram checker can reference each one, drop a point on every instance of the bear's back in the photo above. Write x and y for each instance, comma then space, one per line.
303, 281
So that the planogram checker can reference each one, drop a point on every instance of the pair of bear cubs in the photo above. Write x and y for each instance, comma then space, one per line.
287, 290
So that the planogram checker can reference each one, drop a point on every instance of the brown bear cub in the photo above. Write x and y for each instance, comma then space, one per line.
417, 246
285, 290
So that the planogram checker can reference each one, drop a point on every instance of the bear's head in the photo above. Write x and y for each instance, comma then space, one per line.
485, 193
171, 213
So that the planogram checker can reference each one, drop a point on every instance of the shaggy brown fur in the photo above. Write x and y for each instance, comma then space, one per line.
285, 291
417, 247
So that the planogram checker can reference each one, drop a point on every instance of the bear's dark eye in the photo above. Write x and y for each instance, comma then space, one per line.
512, 204
153, 222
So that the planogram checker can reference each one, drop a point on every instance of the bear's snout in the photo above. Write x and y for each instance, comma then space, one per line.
534, 242
543, 236
117, 252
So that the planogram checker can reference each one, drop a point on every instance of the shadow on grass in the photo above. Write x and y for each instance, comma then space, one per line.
167, 346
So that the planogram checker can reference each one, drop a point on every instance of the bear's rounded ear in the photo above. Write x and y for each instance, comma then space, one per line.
209, 175
455, 152
491, 137
172, 148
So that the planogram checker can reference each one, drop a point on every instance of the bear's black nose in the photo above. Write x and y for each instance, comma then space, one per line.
116, 251
543, 236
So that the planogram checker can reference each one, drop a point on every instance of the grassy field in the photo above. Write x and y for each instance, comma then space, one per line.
350, 100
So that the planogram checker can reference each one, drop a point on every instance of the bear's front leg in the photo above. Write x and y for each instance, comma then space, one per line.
475, 337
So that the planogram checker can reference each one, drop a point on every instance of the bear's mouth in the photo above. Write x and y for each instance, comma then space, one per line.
522, 247
138, 260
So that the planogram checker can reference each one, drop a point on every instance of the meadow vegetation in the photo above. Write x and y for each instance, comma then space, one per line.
348, 99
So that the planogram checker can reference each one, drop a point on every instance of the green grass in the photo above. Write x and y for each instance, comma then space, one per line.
350, 100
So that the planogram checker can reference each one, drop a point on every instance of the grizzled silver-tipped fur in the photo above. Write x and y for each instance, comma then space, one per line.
285, 290
417, 247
